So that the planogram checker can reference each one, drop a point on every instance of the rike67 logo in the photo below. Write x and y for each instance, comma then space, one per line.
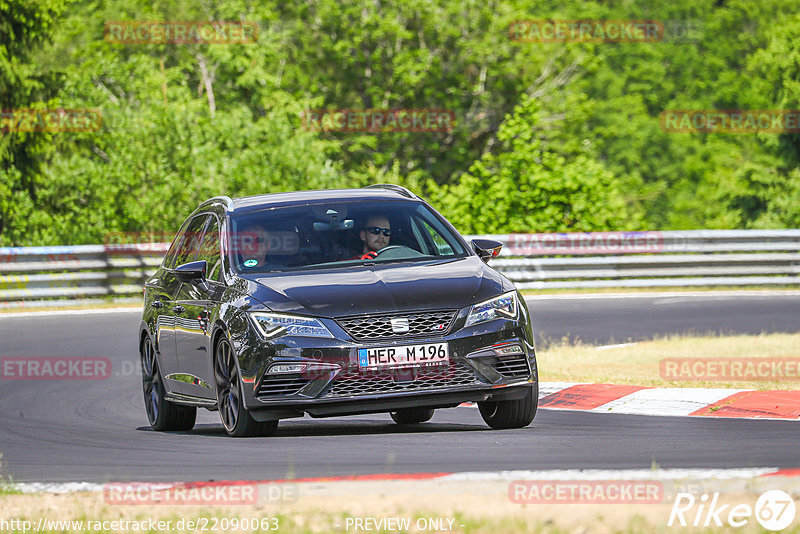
774, 510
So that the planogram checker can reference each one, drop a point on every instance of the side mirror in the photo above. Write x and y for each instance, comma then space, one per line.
486, 249
193, 273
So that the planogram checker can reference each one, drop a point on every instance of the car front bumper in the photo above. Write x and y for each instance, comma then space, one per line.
336, 386
391, 402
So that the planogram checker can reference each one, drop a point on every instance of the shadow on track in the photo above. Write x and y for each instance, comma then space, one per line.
355, 428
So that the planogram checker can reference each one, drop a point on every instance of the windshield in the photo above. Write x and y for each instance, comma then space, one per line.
338, 233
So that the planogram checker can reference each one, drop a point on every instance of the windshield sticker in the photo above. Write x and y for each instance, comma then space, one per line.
250, 263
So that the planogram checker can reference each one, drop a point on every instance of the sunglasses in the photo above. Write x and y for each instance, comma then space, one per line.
375, 230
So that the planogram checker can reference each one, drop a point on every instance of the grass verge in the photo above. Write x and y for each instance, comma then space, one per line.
639, 363
474, 507
7, 486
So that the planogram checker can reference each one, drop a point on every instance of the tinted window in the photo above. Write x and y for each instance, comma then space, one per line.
169, 258
209, 251
338, 234
190, 241
439, 243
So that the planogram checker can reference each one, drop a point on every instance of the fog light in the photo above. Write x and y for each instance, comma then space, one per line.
508, 350
285, 368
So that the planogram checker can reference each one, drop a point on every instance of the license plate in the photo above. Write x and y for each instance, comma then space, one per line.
423, 355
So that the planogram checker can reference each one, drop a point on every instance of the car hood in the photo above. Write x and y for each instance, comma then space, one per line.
386, 288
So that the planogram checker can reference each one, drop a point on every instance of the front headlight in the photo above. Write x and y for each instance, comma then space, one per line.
503, 307
275, 324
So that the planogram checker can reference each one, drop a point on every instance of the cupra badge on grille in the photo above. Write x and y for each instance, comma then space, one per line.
399, 325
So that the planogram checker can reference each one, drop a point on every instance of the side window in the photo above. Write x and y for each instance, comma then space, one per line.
169, 258
442, 248
209, 251
190, 243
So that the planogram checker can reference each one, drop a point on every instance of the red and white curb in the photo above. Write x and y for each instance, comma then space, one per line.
638, 400
477, 476
609, 398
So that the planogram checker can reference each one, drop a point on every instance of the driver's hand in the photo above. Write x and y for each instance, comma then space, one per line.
370, 255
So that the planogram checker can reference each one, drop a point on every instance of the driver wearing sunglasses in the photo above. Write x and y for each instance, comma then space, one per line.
375, 236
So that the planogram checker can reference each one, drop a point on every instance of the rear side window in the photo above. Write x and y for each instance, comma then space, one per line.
209, 251
188, 243
169, 258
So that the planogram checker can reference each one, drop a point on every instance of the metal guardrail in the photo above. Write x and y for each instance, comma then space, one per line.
650, 259
29, 273
532, 261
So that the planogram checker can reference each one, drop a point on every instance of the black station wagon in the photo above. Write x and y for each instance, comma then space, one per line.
331, 303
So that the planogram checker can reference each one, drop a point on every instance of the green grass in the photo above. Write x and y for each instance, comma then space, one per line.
7, 486
315, 523
486, 509
638, 363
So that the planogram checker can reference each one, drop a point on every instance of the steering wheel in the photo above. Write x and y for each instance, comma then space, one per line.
398, 252
390, 247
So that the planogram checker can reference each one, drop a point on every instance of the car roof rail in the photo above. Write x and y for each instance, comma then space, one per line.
221, 198
393, 187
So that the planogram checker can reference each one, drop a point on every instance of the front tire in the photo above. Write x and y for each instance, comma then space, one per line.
517, 413
410, 416
161, 413
234, 416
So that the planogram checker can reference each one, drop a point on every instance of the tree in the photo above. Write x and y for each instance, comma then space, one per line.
530, 185
24, 27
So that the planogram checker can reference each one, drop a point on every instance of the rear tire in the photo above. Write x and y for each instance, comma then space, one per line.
517, 413
410, 416
234, 416
161, 413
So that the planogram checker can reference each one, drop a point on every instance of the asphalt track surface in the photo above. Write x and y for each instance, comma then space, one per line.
96, 431
601, 320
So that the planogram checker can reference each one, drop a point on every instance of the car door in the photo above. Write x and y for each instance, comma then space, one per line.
171, 320
159, 292
198, 307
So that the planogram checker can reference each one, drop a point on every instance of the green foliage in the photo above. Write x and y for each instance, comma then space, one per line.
24, 26
164, 147
532, 185
548, 136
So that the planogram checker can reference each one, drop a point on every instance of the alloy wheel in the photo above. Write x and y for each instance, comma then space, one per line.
227, 378
151, 381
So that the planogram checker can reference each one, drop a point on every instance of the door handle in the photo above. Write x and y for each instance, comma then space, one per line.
157, 304
177, 309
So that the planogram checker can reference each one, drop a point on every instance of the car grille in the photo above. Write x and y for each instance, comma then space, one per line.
380, 327
511, 367
288, 384
353, 383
